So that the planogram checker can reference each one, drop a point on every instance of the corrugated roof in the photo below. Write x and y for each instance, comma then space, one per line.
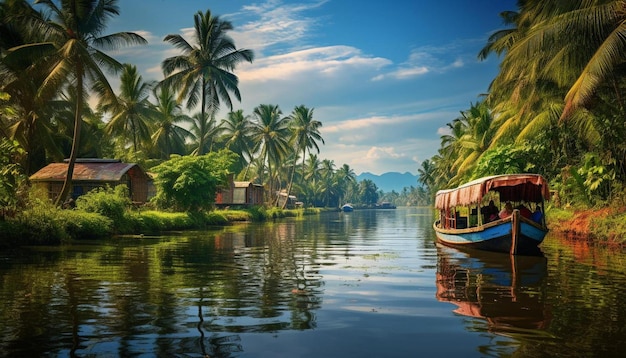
108, 171
244, 184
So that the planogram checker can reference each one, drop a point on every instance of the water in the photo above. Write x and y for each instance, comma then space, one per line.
361, 284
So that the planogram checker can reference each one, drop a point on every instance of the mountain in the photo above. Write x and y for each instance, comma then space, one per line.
391, 180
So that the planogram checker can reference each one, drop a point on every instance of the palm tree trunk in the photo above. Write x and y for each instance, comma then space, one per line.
78, 120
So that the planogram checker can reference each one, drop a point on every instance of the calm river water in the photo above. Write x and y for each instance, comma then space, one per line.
370, 283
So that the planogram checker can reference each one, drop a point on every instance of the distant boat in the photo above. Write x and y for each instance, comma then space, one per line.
464, 223
385, 205
346, 208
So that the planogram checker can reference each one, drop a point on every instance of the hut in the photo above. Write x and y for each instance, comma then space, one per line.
91, 173
240, 193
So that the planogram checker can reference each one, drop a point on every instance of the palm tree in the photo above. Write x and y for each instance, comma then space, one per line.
20, 79
305, 134
476, 139
74, 53
427, 176
202, 73
237, 132
345, 178
327, 173
204, 132
131, 112
169, 137
270, 135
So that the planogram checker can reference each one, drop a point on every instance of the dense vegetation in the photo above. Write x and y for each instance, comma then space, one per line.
556, 108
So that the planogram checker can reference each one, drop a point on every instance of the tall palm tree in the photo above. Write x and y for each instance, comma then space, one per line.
237, 132
270, 135
131, 111
202, 73
74, 52
305, 134
168, 137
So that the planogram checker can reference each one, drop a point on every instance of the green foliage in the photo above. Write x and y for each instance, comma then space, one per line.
112, 203
12, 179
611, 228
40, 222
84, 225
158, 221
509, 159
189, 183
236, 215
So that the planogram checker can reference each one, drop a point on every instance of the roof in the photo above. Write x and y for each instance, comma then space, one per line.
98, 170
244, 184
511, 187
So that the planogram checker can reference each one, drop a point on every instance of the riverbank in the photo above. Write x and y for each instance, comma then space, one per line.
48, 225
605, 225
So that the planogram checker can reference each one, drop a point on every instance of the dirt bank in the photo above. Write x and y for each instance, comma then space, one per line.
594, 225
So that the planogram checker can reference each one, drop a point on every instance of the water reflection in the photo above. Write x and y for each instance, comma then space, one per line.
507, 292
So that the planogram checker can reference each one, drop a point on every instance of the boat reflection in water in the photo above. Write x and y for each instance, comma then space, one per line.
506, 291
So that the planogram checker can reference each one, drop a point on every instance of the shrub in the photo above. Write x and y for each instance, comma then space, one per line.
189, 183
83, 225
112, 203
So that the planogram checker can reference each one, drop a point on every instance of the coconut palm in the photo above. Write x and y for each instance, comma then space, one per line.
20, 79
204, 132
131, 112
168, 137
237, 132
305, 130
74, 52
202, 73
345, 178
476, 139
270, 134
327, 173
305, 134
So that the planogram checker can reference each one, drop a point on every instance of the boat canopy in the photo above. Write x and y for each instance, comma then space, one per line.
511, 187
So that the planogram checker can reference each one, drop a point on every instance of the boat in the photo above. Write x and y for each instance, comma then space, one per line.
465, 219
385, 205
346, 208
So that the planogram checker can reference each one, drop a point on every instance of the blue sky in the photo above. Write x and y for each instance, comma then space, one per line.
384, 78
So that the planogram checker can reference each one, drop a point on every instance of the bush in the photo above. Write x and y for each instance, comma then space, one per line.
83, 225
112, 203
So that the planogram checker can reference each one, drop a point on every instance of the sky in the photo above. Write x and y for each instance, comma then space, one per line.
384, 78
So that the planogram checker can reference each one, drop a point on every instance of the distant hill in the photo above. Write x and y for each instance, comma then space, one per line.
391, 180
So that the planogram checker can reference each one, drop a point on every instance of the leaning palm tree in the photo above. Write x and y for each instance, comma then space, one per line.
131, 111
74, 52
270, 135
202, 73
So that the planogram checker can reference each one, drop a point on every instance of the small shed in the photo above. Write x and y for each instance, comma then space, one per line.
243, 193
91, 173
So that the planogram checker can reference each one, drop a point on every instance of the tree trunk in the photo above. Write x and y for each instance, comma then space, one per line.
78, 120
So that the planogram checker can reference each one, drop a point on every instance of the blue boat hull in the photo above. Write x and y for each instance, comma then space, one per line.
497, 236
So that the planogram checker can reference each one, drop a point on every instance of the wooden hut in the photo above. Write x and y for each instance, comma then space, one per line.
240, 193
90, 173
